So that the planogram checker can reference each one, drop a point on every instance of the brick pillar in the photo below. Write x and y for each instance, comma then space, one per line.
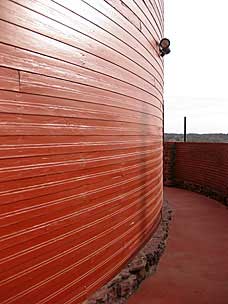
169, 159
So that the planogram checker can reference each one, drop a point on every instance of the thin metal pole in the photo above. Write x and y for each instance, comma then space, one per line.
185, 129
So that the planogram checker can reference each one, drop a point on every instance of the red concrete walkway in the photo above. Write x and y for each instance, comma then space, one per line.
194, 268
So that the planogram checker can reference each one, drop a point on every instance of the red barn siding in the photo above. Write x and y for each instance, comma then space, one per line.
81, 93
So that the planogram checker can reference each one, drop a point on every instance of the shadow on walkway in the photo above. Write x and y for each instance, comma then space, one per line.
194, 268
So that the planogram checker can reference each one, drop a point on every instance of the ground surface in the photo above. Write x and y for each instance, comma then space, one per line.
194, 268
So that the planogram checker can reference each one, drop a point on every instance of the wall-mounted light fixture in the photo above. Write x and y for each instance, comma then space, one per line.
164, 47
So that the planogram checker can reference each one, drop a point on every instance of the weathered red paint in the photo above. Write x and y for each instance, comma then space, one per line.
81, 93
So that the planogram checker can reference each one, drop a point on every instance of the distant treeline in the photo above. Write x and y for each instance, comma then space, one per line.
194, 137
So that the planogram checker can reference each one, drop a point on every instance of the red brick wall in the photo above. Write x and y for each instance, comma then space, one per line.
169, 163
201, 167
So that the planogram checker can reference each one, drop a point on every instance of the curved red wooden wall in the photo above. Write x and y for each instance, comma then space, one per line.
81, 86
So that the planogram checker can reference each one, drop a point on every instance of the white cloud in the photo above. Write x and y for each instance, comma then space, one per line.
196, 72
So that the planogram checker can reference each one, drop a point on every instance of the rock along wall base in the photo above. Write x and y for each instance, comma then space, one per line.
144, 264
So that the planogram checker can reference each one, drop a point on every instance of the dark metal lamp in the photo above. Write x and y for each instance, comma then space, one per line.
164, 47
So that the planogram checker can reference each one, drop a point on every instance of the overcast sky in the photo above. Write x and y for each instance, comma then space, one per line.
196, 71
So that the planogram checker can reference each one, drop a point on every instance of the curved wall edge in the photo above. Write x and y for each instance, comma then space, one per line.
81, 114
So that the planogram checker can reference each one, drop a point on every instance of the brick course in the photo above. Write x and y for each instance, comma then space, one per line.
200, 167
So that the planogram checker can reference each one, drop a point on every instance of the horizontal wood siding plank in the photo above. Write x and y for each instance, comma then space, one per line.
81, 110
56, 31
153, 13
39, 84
111, 11
150, 22
79, 16
9, 79
45, 46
